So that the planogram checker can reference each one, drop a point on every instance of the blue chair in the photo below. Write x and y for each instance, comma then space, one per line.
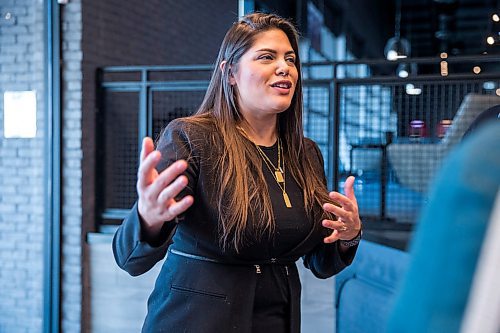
492, 114
448, 239
366, 289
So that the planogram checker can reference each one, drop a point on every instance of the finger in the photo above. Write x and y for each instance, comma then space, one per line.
349, 188
147, 170
337, 211
342, 200
336, 225
179, 207
166, 177
335, 236
147, 147
172, 190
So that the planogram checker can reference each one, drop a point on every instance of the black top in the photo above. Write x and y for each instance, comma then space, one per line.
292, 225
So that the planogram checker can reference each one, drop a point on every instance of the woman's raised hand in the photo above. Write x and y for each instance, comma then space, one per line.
157, 191
348, 223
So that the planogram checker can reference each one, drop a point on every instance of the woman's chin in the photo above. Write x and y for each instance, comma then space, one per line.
282, 107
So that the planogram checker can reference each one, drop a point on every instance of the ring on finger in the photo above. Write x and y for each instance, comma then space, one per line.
343, 227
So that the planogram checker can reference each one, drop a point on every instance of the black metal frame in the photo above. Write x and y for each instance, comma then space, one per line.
144, 87
333, 83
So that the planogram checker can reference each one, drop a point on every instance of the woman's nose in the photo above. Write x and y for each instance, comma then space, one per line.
282, 68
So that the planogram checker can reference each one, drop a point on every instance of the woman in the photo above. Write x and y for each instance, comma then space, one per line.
242, 196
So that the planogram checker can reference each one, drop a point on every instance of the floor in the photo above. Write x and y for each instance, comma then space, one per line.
318, 314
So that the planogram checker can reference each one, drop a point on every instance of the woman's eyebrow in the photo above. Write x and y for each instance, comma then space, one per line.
274, 51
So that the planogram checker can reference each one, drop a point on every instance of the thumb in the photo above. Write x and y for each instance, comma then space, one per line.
335, 236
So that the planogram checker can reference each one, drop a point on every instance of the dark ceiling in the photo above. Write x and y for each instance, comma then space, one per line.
458, 27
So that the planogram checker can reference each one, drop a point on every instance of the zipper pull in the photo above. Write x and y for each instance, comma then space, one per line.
286, 269
257, 269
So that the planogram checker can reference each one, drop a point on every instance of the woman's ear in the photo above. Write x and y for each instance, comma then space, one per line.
222, 65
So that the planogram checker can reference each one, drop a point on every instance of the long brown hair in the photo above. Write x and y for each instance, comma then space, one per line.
241, 188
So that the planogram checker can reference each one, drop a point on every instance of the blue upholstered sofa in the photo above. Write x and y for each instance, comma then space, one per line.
365, 291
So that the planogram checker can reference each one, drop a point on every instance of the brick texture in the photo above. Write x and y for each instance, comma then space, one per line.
21, 172
72, 155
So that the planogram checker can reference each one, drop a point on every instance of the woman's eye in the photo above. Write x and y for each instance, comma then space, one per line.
266, 57
292, 60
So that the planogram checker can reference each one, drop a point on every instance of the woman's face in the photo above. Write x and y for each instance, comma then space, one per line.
266, 76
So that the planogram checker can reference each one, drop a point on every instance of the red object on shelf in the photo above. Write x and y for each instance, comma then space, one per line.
417, 129
443, 127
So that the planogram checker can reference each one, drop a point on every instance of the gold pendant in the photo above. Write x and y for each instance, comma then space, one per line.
279, 176
287, 200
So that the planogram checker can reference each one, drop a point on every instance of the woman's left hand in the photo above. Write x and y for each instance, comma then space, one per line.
348, 223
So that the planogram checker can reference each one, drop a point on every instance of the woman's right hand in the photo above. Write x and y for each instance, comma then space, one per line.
157, 191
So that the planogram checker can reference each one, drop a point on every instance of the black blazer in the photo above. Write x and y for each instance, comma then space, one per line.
202, 288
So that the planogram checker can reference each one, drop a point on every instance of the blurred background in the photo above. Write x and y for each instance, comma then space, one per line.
390, 88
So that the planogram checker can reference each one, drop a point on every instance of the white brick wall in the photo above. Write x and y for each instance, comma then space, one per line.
21, 172
71, 34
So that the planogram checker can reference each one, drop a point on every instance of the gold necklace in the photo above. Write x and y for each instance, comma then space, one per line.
279, 171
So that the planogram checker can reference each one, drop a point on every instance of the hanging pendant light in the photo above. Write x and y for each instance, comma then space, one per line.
397, 47
406, 69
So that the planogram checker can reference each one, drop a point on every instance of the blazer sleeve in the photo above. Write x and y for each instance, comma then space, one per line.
132, 251
325, 260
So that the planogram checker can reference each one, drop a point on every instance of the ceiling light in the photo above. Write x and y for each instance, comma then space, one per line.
494, 38
444, 68
489, 85
476, 69
403, 71
412, 90
495, 17
397, 47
